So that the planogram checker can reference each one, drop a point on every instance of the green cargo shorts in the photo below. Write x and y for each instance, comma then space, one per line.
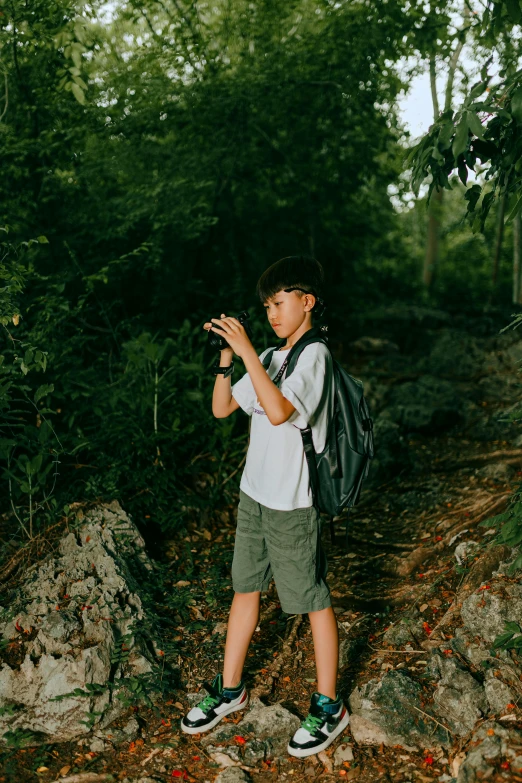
285, 545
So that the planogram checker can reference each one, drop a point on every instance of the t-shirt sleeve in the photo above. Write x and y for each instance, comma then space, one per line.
307, 386
243, 391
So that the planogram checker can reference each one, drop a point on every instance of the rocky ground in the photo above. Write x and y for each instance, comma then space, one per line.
419, 593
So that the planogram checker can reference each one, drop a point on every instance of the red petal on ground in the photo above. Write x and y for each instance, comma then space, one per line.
428, 760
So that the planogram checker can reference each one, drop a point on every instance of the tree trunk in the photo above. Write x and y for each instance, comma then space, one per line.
437, 199
498, 240
517, 267
432, 240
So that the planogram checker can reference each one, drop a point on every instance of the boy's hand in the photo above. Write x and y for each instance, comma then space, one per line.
233, 332
227, 353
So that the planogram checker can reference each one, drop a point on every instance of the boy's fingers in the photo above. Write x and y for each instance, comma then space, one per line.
221, 324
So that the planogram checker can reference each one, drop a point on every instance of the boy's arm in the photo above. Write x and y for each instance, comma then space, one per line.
277, 408
223, 404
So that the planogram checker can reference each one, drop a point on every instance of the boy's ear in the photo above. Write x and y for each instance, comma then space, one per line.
311, 300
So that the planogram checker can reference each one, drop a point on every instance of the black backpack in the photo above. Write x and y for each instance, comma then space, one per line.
336, 473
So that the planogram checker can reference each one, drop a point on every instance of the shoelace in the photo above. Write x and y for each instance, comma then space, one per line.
208, 702
311, 722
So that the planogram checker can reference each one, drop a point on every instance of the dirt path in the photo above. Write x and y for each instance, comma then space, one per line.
399, 562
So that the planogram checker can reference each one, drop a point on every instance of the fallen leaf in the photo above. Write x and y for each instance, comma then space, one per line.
325, 760
132, 747
64, 770
182, 583
239, 739
43, 769
428, 760
178, 705
223, 760
423, 608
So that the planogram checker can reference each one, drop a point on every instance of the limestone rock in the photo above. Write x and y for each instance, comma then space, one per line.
232, 775
342, 753
77, 605
428, 405
365, 732
498, 694
392, 713
454, 354
489, 743
391, 451
485, 614
458, 699
255, 751
273, 725
223, 759
128, 733
499, 471
373, 346
407, 630
465, 551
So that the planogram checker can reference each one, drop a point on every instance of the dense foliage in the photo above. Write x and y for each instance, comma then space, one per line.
154, 162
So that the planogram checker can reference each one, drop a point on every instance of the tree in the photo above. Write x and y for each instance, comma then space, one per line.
454, 41
483, 129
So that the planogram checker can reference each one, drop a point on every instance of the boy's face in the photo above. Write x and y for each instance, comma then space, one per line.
287, 311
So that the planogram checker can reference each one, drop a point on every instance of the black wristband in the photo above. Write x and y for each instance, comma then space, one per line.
224, 371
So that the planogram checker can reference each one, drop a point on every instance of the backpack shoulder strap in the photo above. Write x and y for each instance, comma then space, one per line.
314, 335
268, 358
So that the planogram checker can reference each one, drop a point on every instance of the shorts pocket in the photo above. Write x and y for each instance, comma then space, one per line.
291, 530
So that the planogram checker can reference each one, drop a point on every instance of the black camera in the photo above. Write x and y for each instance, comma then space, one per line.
217, 342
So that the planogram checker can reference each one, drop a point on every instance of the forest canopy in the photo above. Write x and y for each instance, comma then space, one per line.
157, 156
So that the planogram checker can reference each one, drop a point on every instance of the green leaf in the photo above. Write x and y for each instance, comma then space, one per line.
516, 104
463, 172
43, 240
513, 9
460, 141
515, 210
472, 196
477, 90
78, 93
445, 136
474, 124
47, 388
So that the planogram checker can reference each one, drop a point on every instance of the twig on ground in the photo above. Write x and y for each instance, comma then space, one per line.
86, 777
511, 456
493, 508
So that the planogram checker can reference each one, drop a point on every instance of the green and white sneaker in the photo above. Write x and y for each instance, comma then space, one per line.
325, 721
218, 703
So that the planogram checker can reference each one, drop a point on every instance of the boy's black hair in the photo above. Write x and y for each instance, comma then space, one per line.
302, 272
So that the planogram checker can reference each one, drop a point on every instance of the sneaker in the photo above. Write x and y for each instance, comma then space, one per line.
325, 721
218, 703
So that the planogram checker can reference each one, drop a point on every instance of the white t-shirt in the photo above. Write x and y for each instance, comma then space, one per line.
276, 471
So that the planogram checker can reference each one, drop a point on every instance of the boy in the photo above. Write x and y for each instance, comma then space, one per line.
278, 529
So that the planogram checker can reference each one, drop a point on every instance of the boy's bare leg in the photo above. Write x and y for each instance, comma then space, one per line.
242, 622
326, 647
